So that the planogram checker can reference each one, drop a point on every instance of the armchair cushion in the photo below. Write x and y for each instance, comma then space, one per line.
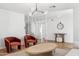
15, 43
29, 37
31, 40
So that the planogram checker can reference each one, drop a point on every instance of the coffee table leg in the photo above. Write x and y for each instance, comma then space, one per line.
53, 52
49, 53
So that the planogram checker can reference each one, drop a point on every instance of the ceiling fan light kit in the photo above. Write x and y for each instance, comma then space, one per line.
36, 10
40, 11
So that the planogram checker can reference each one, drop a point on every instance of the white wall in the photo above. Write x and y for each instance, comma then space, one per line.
76, 26
11, 24
66, 17
4, 25
17, 24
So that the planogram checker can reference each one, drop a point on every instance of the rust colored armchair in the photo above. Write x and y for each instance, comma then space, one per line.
29, 39
12, 41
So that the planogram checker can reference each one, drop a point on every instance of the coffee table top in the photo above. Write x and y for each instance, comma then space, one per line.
41, 48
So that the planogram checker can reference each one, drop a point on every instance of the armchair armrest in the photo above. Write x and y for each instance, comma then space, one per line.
18, 40
7, 41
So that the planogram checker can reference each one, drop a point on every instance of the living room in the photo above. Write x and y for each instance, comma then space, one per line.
43, 21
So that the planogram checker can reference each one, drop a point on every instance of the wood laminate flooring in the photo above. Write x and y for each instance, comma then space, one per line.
62, 49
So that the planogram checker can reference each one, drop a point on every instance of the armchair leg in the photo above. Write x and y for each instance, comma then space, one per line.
19, 46
34, 43
8, 49
27, 45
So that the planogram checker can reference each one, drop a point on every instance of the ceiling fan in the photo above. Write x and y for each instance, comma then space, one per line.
36, 10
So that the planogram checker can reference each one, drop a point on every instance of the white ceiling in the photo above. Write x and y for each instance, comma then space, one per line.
25, 8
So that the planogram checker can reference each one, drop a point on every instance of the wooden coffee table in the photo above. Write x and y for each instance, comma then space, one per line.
45, 49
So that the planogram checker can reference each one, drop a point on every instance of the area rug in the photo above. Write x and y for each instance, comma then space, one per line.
58, 52
73, 52
61, 51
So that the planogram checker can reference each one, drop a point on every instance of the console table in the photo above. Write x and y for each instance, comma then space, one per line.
61, 35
